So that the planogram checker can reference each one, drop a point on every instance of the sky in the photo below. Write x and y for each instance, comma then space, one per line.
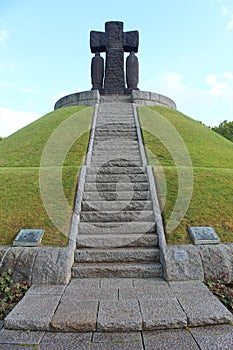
185, 53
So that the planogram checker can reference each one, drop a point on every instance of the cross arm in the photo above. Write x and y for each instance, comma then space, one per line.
97, 41
131, 41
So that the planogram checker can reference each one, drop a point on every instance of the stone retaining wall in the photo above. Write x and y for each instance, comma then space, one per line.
151, 99
198, 262
90, 98
85, 98
39, 265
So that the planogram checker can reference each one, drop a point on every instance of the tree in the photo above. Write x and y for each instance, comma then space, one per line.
225, 129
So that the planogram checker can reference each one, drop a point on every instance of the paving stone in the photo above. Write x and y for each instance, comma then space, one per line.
116, 282
116, 337
66, 341
33, 312
8, 336
87, 294
199, 304
117, 346
83, 283
214, 337
119, 316
75, 316
148, 282
17, 347
169, 340
161, 314
46, 289
161, 291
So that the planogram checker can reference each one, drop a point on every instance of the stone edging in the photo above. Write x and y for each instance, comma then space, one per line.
91, 97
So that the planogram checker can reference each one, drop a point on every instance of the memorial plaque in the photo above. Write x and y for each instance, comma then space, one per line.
203, 235
181, 255
28, 238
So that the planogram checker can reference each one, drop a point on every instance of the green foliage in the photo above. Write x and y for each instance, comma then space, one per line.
212, 159
20, 155
222, 287
225, 129
10, 293
1, 138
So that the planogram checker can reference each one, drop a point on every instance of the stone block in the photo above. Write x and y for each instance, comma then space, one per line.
161, 314
123, 345
20, 260
199, 304
46, 289
3, 251
87, 294
171, 339
33, 312
8, 336
116, 283
53, 266
154, 97
119, 316
117, 337
78, 283
66, 341
148, 282
161, 291
182, 263
214, 337
75, 316
203, 235
217, 260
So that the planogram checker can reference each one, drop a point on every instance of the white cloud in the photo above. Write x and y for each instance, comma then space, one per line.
196, 102
11, 121
28, 90
230, 24
3, 36
221, 84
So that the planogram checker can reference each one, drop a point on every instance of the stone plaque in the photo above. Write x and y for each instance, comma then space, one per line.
181, 255
203, 235
28, 238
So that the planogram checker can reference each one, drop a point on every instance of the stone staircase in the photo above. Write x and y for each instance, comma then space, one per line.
117, 231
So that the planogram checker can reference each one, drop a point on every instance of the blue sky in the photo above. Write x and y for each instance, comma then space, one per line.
185, 53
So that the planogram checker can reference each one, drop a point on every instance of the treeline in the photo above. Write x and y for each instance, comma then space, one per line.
225, 129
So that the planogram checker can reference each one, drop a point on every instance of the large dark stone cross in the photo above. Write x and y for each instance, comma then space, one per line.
114, 42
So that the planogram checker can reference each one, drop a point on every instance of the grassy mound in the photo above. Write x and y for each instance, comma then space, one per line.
20, 156
212, 163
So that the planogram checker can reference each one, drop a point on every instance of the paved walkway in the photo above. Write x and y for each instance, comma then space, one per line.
119, 314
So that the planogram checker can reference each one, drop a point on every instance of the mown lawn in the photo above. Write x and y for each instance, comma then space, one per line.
20, 156
212, 165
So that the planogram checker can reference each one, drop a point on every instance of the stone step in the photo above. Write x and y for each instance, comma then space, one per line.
115, 138
117, 255
104, 161
121, 163
113, 187
120, 216
116, 205
115, 153
114, 178
119, 270
113, 240
116, 228
120, 196
115, 127
116, 170
114, 145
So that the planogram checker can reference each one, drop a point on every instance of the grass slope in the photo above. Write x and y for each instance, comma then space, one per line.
212, 161
20, 155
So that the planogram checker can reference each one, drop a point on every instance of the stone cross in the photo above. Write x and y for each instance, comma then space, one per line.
114, 42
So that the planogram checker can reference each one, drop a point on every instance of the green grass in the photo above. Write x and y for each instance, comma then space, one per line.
20, 156
212, 161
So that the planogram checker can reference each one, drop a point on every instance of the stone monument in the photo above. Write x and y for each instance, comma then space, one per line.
115, 42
